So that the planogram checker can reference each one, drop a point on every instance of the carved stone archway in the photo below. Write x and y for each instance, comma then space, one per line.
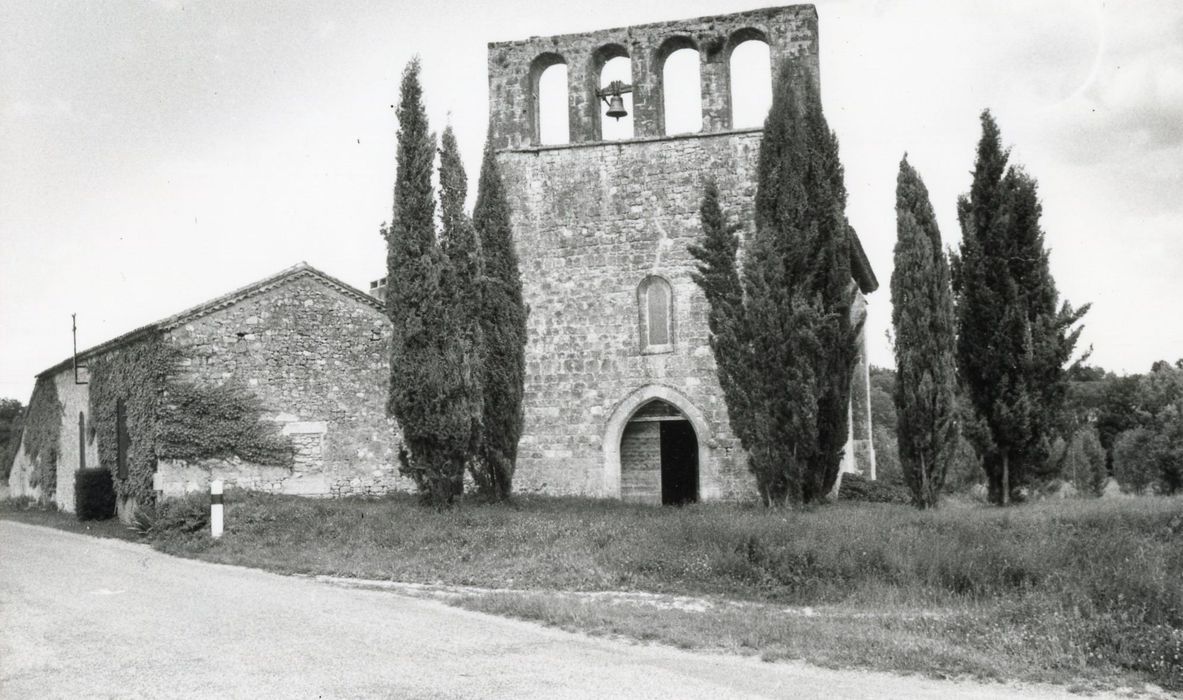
624, 411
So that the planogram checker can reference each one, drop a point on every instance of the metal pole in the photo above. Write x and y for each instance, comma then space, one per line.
215, 508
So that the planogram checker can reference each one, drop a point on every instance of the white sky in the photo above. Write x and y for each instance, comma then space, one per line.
156, 154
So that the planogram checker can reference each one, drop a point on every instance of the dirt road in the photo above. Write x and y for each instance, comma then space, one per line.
84, 617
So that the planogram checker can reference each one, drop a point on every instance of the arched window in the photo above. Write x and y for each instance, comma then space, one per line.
617, 68
655, 300
548, 82
751, 81
681, 89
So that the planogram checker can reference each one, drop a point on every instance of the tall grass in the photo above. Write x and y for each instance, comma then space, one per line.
1103, 578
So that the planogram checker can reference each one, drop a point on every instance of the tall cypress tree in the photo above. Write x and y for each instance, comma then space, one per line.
790, 386
462, 284
426, 369
925, 343
503, 321
1012, 343
718, 277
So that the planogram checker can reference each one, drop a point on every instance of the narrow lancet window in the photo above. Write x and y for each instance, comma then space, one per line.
655, 298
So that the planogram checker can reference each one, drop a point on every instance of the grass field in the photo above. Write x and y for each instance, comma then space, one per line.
1087, 592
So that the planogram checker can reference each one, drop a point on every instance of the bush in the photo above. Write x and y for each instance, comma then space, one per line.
188, 515
1133, 460
856, 487
1084, 462
94, 494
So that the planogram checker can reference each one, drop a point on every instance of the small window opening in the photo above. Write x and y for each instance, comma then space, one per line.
751, 84
655, 298
682, 92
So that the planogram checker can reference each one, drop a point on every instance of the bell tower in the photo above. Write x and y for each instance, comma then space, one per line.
622, 397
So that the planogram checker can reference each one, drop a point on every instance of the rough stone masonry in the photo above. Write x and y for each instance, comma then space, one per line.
596, 221
622, 398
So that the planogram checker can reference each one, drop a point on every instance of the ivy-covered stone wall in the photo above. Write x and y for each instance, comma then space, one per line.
316, 359
51, 450
134, 374
34, 471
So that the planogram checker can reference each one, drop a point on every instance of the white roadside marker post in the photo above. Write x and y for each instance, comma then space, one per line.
215, 508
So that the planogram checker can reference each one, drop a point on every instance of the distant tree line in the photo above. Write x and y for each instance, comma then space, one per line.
11, 412
1127, 427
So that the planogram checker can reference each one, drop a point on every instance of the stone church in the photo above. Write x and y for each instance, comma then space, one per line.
622, 398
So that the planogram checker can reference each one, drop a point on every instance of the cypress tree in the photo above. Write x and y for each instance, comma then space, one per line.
925, 343
1084, 462
1012, 342
788, 385
463, 288
503, 321
425, 367
718, 277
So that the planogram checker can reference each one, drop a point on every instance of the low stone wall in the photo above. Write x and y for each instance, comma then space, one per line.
175, 478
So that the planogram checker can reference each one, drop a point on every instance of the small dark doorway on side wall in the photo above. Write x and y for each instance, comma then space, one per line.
679, 463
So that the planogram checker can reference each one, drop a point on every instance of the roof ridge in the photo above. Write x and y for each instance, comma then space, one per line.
267, 283
300, 269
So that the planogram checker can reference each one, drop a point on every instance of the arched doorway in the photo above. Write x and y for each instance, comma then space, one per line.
630, 406
659, 456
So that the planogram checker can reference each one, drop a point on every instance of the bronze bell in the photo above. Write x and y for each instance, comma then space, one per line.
616, 107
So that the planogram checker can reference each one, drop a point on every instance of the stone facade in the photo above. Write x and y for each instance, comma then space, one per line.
76, 448
515, 67
318, 356
594, 219
313, 349
597, 225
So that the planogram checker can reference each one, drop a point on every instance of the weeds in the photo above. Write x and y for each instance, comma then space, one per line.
1057, 587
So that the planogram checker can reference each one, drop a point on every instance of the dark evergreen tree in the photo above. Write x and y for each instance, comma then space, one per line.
718, 277
426, 368
787, 379
1013, 343
503, 321
462, 285
925, 343
1084, 462
11, 412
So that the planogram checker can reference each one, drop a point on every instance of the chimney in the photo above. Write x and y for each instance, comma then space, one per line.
378, 289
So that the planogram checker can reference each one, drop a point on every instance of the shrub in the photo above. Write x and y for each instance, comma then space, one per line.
94, 494
856, 487
1133, 460
188, 515
1084, 462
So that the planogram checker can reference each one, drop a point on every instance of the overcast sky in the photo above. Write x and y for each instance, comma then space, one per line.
156, 154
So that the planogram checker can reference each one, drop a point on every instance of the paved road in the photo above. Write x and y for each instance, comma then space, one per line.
84, 617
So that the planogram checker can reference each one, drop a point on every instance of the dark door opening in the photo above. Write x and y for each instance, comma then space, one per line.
679, 463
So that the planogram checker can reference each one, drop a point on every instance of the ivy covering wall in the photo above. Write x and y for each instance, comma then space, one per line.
42, 433
168, 417
202, 422
137, 374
